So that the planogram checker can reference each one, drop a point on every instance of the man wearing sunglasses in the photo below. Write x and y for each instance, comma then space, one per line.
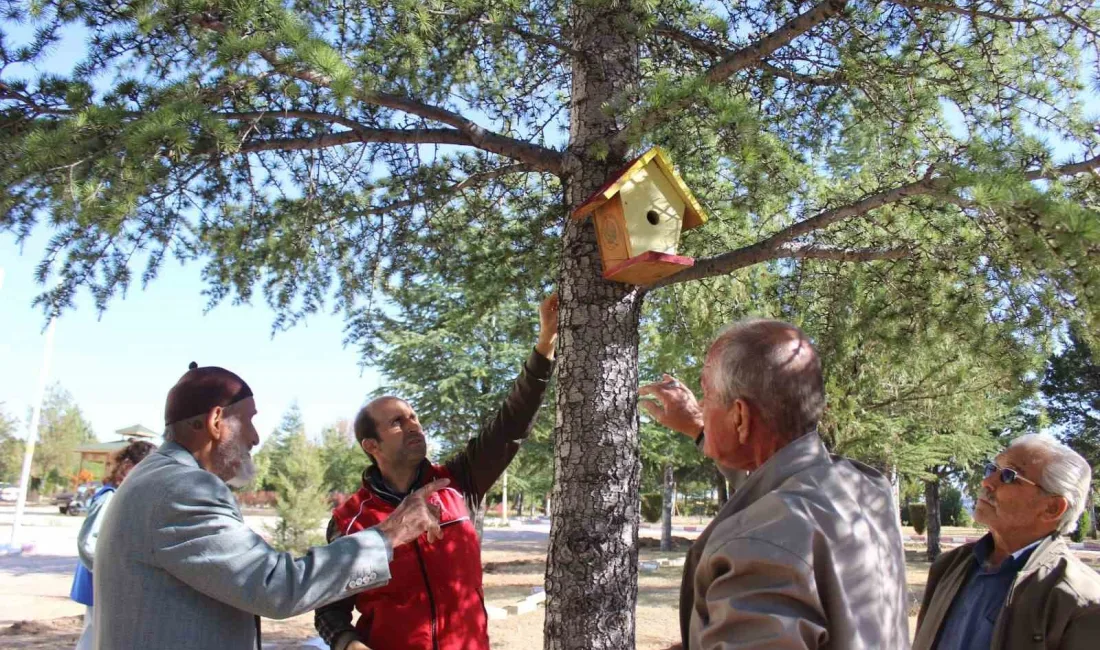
435, 601
1020, 586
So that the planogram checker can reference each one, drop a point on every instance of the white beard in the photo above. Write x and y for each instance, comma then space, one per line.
245, 474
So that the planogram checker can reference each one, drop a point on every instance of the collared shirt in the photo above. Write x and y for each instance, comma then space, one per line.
970, 621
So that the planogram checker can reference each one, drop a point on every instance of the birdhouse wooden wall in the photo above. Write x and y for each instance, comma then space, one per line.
653, 210
639, 216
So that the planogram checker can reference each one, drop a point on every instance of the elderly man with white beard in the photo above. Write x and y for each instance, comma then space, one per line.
181, 569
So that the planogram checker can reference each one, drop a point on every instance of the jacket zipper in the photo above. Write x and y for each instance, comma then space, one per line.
428, 586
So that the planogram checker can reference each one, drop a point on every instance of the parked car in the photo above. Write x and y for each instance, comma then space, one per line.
9, 492
76, 502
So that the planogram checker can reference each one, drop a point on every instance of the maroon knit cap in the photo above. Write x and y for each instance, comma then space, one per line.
201, 389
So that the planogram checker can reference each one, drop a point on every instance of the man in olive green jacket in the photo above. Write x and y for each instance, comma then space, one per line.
1020, 586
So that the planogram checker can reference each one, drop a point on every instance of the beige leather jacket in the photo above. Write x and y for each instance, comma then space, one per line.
807, 554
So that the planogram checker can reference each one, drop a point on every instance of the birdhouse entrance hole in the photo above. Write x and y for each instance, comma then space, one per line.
639, 215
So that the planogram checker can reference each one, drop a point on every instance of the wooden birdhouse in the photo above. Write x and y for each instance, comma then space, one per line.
639, 215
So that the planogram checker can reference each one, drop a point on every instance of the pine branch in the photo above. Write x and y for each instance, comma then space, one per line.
473, 180
792, 29
844, 254
477, 136
973, 12
717, 51
312, 116
536, 156
531, 37
363, 135
778, 245
735, 61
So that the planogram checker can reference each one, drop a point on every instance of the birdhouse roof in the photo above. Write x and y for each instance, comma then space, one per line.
693, 212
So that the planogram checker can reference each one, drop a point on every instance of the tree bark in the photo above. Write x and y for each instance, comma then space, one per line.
932, 500
504, 497
479, 518
592, 567
666, 509
723, 487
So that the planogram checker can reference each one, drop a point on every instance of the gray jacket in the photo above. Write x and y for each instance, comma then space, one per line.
178, 567
89, 531
807, 554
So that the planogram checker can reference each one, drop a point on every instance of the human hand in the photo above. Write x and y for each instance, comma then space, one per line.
548, 326
415, 516
675, 408
356, 645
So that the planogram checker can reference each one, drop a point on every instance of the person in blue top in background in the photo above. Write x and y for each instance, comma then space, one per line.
81, 592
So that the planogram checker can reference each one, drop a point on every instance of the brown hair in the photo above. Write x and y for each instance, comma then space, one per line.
125, 459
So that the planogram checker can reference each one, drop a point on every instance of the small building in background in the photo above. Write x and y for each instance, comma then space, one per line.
95, 454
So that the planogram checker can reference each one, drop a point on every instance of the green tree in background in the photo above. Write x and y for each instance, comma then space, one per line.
318, 154
11, 448
342, 459
302, 503
61, 429
271, 459
1071, 396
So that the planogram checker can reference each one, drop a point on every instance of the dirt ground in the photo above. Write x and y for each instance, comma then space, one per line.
514, 565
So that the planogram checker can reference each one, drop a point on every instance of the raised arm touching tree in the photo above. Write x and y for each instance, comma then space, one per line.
331, 154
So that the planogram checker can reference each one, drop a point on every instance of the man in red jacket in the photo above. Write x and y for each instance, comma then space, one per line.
435, 600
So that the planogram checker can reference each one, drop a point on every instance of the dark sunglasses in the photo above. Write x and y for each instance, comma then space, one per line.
1008, 475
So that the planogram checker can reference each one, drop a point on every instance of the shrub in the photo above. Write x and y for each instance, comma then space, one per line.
918, 516
951, 507
1084, 525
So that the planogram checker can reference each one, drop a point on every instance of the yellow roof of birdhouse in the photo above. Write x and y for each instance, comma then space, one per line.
693, 212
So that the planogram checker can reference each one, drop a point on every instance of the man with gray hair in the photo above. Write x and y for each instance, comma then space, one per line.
1019, 586
807, 553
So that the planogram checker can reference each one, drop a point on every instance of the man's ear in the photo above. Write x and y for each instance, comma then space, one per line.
369, 445
1056, 507
214, 421
740, 420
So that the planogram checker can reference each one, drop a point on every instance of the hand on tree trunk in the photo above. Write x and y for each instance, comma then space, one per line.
675, 408
548, 326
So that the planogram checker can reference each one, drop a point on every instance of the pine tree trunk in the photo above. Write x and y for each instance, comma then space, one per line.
666, 510
479, 518
723, 487
932, 500
592, 564
504, 497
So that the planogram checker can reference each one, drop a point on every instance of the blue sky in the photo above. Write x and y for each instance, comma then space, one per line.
120, 366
